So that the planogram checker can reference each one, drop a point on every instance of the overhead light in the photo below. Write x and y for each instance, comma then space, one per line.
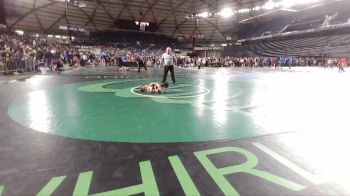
289, 10
257, 8
269, 5
203, 14
288, 3
82, 4
226, 12
50, 36
36, 35
19, 32
245, 10
63, 27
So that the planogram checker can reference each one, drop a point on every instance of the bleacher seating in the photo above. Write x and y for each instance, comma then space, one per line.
334, 44
342, 17
303, 19
305, 23
132, 37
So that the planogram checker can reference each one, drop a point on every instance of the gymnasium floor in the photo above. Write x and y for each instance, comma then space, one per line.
217, 131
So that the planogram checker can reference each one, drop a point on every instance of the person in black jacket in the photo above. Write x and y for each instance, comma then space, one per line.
140, 63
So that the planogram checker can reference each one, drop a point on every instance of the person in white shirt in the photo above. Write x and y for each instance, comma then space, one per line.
168, 61
85, 59
199, 63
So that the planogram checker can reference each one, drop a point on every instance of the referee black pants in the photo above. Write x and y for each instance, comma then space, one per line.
166, 70
139, 67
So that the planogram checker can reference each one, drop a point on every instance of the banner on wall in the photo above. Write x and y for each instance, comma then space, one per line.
208, 48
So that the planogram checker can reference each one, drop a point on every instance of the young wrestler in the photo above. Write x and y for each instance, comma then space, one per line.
154, 87
341, 64
123, 68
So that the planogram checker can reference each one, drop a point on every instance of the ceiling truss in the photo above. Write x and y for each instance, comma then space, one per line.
169, 15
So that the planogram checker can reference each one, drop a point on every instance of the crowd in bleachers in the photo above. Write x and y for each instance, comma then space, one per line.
272, 62
283, 62
20, 53
110, 56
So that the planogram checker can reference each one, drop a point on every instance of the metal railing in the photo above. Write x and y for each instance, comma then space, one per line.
12, 65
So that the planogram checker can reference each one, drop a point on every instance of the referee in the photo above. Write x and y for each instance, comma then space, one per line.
168, 61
